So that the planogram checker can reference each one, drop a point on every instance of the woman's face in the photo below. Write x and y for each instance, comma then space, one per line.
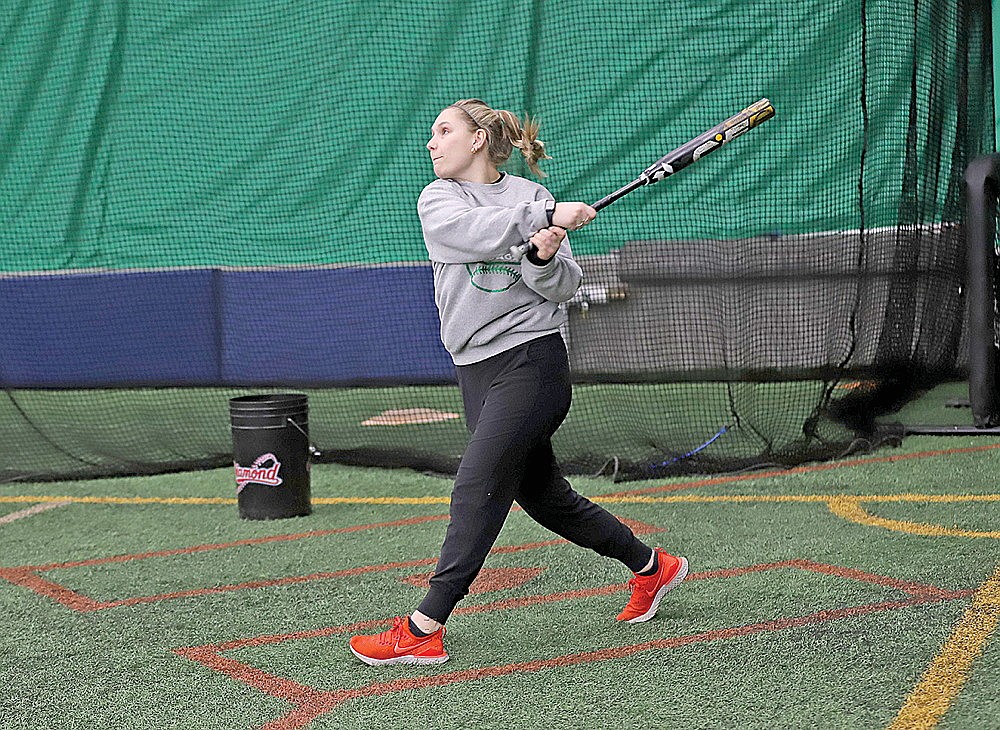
451, 144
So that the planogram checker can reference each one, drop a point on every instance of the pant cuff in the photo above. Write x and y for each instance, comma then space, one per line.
438, 604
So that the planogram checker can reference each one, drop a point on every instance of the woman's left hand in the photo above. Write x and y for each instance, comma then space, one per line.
547, 241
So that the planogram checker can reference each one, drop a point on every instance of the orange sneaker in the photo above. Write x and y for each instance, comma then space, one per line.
648, 590
399, 646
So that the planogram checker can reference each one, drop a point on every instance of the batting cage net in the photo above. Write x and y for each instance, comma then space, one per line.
206, 200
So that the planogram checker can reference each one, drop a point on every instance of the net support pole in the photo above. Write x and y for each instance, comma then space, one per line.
982, 281
982, 183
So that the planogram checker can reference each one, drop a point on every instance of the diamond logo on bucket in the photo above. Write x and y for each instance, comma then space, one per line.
258, 473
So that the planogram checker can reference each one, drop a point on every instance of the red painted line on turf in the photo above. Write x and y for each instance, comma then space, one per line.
237, 543
487, 581
578, 594
315, 703
310, 710
506, 604
26, 575
269, 583
828, 466
639, 528
324, 702
25, 578
914, 589
260, 680
82, 603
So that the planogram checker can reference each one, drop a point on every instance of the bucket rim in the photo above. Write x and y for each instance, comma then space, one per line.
276, 407
269, 398
286, 403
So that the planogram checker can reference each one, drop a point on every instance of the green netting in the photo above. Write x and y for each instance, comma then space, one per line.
254, 134
164, 136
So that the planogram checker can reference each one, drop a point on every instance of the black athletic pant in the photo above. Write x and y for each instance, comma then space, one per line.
514, 402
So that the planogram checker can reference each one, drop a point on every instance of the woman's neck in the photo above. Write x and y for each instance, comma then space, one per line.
483, 173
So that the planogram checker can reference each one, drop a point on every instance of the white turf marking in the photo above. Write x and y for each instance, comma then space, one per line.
409, 416
29, 511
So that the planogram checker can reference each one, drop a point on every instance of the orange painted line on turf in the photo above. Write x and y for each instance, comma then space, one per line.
237, 543
27, 575
315, 703
311, 710
828, 466
72, 600
91, 605
505, 604
291, 580
265, 583
262, 681
949, 671
916, 589
904, 586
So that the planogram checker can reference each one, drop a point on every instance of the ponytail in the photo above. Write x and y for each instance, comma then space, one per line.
525, 138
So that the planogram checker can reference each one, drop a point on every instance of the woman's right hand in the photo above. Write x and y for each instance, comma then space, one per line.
572, 216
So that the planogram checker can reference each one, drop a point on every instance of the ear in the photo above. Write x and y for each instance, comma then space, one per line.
479, 140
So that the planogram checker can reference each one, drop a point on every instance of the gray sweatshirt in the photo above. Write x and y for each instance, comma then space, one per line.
488, 301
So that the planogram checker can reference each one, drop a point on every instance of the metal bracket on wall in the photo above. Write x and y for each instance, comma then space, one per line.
591, 294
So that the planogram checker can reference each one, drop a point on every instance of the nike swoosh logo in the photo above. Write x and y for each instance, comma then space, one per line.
398, 650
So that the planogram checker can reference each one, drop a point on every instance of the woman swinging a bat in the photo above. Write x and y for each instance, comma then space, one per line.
500, 320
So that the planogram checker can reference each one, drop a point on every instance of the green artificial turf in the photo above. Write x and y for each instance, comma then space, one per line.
117, 668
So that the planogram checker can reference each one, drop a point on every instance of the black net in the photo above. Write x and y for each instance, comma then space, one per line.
203, 201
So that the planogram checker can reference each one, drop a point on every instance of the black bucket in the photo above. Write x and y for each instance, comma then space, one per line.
271, 455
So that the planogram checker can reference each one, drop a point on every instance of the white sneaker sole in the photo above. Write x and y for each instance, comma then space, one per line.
405, 659
676, 581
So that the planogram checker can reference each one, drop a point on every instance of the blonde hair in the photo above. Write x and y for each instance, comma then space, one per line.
504, 132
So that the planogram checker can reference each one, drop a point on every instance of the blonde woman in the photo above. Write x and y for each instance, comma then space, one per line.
500, 319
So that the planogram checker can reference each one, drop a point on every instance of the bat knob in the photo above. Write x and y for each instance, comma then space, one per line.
518, 252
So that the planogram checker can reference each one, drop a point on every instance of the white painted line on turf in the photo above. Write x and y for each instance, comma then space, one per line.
33, 510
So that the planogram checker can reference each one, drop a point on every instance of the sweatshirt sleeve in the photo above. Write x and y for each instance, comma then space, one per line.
458, 232
557, 279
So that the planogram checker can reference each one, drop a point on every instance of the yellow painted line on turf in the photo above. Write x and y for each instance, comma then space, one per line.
806, 498
699, 499
622, 499
921, 497
851, 509
218, 500
674, 499
382, 500
120, 500
949, 671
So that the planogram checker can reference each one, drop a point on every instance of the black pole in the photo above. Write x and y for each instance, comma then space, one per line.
981, 196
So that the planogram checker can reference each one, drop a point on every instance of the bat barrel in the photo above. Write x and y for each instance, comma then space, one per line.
684, 155
710, 140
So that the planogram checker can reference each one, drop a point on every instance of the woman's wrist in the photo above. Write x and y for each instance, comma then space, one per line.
534, 258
